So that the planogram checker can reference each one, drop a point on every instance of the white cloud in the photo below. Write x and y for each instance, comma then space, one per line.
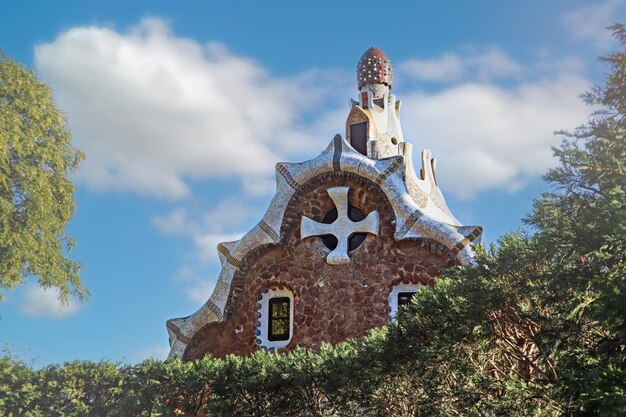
210, 229
158, 352
445, 68
487, 136
44, 302
150, 109
483, 64
215, 226
229, 213
590, 22
206, 245
200, 291
493, 63
203, 262
175, 223
184, 273
259, 185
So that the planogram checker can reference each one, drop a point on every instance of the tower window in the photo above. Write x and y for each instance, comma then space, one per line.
279, 319
358, 137
380, 102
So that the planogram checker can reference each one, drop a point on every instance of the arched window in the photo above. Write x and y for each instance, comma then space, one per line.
401, 295
274, 318
279, 319
358, 137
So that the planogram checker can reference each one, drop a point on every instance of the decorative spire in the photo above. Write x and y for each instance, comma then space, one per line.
374, 68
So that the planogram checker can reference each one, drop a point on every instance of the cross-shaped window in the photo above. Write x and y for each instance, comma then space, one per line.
343, 228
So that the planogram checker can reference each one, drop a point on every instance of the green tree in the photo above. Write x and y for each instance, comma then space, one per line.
538, 326
18, 388
36, 196
582, 229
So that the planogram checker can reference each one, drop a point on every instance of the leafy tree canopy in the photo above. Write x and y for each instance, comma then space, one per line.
538, 325
36, 196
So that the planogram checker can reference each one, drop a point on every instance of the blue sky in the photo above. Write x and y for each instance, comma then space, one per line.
183, 108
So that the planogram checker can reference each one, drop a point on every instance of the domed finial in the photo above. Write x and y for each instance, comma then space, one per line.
374, 68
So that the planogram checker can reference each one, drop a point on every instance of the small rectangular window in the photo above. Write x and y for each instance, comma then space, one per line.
279, 317
404, 298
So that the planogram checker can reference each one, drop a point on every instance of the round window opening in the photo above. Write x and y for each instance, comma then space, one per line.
355, 239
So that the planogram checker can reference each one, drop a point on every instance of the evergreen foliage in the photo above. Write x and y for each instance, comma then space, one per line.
36, 196
536, 327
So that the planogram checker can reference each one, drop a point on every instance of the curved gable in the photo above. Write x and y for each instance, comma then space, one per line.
339, 157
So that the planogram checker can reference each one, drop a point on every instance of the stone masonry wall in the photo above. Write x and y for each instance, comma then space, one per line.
331, 303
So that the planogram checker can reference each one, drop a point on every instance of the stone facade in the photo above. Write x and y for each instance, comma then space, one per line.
331, 303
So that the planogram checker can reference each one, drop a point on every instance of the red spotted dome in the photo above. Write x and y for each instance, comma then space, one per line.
374, 68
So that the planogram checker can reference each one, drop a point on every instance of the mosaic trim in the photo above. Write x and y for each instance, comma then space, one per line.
176, 331
439, 249
233, 261
287, 176
390, 170
223, 250
409, 223
459, 246
215, 309
474, 234
269, 231
229, 258
337, 153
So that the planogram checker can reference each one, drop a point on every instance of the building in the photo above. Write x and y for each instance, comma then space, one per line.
348, 237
